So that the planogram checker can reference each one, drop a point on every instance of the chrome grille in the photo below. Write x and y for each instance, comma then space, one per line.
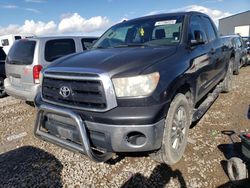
93, 92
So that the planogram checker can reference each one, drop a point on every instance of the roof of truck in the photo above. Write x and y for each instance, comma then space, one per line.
168, 14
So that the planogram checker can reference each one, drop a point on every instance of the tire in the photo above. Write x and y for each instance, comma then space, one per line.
237, 69
2, 91
236, 169
227, 83
175, 133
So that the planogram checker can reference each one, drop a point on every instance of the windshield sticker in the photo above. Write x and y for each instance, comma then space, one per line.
165, 22
142, 32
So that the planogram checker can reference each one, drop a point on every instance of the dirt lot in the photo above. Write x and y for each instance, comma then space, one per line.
26, 161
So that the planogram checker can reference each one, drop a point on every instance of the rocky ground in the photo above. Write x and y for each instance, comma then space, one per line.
26, 161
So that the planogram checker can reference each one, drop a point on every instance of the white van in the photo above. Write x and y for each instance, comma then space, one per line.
6, 41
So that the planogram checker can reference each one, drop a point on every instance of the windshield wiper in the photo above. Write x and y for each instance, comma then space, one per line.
98, 47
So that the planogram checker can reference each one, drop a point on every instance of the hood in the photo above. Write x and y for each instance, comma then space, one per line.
116, 61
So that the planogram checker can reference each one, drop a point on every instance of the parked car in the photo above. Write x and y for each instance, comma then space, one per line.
248, 52
6, 41
27, 57
2, 72
247, 44
139, 88
240, 52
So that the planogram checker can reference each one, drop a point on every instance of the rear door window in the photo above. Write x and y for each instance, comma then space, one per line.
87, 43
55, 49
18, 37
196, 25
21, 52
210, 29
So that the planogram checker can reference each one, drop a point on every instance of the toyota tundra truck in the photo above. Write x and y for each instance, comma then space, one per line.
138, 90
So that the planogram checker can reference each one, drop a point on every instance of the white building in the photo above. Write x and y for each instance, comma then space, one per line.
236, 24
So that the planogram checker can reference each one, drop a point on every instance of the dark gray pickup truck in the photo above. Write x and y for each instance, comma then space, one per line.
138, 90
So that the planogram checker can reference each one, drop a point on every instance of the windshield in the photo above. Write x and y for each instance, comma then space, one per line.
147, 32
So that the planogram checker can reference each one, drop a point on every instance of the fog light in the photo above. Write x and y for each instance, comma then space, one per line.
136, 138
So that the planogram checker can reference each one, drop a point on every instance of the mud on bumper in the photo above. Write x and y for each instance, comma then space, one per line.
98, 141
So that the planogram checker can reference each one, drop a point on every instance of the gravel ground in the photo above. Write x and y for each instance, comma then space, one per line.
26, 161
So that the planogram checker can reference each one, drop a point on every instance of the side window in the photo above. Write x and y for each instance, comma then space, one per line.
5, 42
210, 29
55, 49
196, 29
87, 43
18, 37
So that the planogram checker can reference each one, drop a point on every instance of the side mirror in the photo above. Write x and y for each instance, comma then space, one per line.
198, 38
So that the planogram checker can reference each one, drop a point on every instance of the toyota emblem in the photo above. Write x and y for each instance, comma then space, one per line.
65, 91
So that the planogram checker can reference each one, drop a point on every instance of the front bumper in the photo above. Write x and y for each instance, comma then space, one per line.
66, 128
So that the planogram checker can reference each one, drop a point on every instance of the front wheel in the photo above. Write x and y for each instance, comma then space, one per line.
175, 132
237, 69
227, 83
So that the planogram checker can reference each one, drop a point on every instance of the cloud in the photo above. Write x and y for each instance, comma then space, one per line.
122, 20
214, 14
35, 1
69, 24
10, 6
9, 29
155, 12
76, 23
32, 10
38, 28
30, 27
21, 8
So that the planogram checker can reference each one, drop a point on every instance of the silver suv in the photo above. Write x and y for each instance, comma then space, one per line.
27, 57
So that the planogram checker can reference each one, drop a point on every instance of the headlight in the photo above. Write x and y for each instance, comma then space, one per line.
136, 86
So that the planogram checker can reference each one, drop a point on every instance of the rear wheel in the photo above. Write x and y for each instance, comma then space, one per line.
237, 69
175, 132
2, 91
227, 83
